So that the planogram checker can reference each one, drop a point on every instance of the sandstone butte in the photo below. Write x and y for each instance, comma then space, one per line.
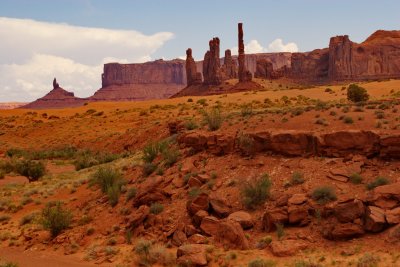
378, 57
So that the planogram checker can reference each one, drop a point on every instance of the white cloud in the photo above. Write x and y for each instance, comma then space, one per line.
277, 45
33, 52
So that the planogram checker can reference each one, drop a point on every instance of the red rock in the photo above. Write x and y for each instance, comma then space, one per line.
297, 199
344, 231
293, 143
229, 67
204, 178
393, 235
179, 238
194, 182
219, 206
390, 146
192, 76
56, 98
209, 225
386, 196
287, 248
298, 214
138, 216
393, 216
211, 65
273, 217
243, 218
375, 219
349, 211
198, 217
201, 202
197, 239
243, 74
231, 235
192, 255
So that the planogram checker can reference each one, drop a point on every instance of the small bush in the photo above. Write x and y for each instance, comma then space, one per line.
148, 168
324, 194
280, 230
109, 181
357, 93
9, 264
348, 120
256, 191
131, 193
377, 182
151, 150
213, 119
261, 263
246, 144
297, 178
191, 125
246, 110
368, 260
56, 218
170, 156
33, 170
356, 178
202, 101
156, 208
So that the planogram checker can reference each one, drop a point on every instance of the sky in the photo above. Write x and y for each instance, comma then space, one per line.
72, 39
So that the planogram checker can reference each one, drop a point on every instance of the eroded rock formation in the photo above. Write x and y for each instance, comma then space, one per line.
229, 67
212, 65
192, 76
244, 74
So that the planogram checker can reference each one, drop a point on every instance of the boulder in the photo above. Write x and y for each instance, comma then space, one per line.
286, 248
393, 235
194, 182
192, 255
393, 215
198, 217
390, 146
386, 196
209, 225
343, 231
273, 217
219, 206
298, 214
293, 143
231, 235
374, 219
297, 199
243, 218
197, 239
179, 238
349, 211
201, 202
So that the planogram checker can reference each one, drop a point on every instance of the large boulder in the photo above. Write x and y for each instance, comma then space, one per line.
192, 255
293, 143
393, 215
138, 216
339, 231
243, 218
210, 225
231, 235
287, 247
219, 206
390, 146
386, 196
349, 211
201, 202
273, 217
374, 219
299, 214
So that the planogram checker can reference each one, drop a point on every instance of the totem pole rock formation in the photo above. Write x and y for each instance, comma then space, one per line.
211, 64
229, 67
193, 77
55, 84
244, 74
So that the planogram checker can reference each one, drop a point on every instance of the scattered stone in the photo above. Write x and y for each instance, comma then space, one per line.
297, 199
231, 234
209, 225
273, 217
219, 206
201, 202
349, 211
243, 218
393, 216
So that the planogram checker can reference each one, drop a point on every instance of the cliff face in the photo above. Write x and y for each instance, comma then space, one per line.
155, 72
378, 57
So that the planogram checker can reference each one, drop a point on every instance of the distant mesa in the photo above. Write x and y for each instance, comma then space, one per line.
378, 57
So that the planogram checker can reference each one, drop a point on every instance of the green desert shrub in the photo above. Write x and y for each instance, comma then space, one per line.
56, 218
110, 182
324, 194
148, 168
33, 170
377, 182
368, 260
357, 93
156, 208
261, 263
213, 119
356, 178
256, 191
297, 178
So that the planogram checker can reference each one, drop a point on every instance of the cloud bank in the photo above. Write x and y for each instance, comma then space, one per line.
33, 52
275, 46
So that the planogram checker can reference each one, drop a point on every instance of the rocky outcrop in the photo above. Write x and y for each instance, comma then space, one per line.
243, 74
56, 98
192, 76
229, 67
212, 65
296, 143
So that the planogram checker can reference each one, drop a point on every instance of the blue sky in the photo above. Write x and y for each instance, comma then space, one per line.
173, 25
